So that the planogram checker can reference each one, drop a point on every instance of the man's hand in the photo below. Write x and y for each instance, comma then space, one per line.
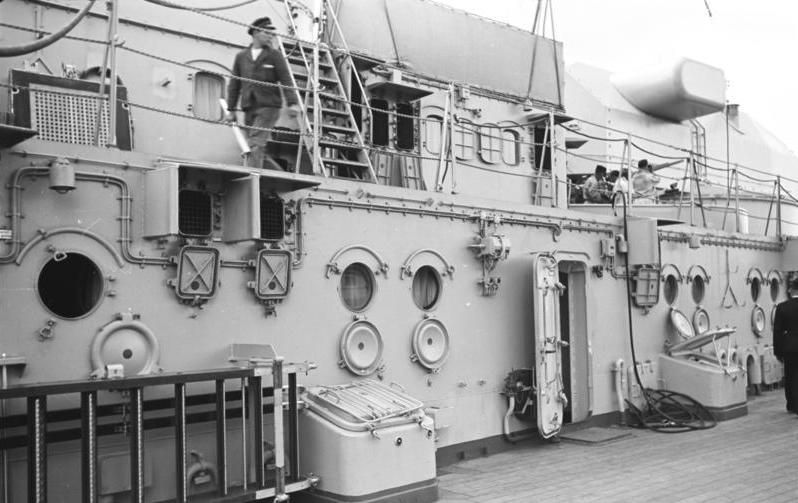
230, 116
293, 111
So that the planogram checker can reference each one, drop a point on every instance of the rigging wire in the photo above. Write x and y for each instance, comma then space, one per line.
172, 5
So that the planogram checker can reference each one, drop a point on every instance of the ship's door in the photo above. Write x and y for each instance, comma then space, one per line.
576, 360
548, 344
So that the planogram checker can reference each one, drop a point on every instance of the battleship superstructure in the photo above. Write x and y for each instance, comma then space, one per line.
416, 285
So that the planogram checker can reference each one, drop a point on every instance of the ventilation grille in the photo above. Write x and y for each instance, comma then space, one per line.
195, 216
67, 118
272, 218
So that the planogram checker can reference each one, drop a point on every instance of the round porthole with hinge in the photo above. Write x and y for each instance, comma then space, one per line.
430, 344
361, 348
758, 320
700, 321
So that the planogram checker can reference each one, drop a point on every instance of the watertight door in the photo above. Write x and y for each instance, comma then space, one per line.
548, 369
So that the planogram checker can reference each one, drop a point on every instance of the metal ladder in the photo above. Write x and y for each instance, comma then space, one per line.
342, 151
147, 415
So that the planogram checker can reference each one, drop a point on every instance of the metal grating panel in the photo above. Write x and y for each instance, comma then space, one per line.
67, 118
195, 215
272, 218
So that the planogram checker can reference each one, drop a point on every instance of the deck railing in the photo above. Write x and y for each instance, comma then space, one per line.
252, 392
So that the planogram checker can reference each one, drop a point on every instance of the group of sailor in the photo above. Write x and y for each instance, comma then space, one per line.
602, 188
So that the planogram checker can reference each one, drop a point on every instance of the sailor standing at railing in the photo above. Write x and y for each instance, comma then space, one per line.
785, 342
263, 62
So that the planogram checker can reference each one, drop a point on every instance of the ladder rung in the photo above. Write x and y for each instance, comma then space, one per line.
297, 60
292, 44
344, 162
336, 128
323, 80
330, 111
341, 146
328, 96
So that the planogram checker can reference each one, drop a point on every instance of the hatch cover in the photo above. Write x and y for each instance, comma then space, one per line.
363, 405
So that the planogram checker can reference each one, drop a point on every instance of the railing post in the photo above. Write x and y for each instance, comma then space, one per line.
221, 438
256, 390
293, 426
136, 446
180, 442
37, 449
736, 200
88, 449
277, 413
778, 206
113, 95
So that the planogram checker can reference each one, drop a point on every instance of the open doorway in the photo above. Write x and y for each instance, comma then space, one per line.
576, 365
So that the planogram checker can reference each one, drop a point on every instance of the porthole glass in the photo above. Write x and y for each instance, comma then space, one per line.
671, 289
357, 287
698, 289
775, 286
70, 285
426, 287
756, 288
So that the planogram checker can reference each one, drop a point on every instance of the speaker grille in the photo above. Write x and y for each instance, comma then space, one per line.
195, 217
272, 218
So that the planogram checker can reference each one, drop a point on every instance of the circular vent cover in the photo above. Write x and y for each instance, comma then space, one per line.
430, 344
758, 320
361, 348
700, 321
682, 324
127, 342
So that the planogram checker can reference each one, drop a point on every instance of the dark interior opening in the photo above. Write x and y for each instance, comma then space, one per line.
70, 287
405, 126
356, 96
541, 160
379, 130
565, 335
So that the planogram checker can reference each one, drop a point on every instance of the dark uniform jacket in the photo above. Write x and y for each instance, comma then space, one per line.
269, 67
785, 329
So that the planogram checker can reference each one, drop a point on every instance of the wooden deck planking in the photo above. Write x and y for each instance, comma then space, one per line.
751, 458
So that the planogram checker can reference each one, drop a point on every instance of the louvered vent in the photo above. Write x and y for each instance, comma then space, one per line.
195, 215
67, 118
272, 218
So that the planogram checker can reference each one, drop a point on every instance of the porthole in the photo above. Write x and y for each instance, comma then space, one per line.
426, 287
671, 289
756, 288
357, 287
775, 287
698, 289
70, 285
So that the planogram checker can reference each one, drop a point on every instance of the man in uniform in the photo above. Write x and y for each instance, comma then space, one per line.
263, 62
785, 342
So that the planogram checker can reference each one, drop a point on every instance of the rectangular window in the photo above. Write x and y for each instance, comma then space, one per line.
208, 88
464, 141
433, 130
490, 143
510, 147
